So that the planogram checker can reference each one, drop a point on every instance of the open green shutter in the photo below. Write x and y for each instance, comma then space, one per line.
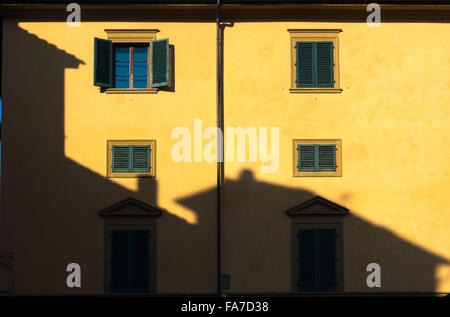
305, 64
306, 158
307, 264
324, 51
141, 158
140, 261
160, 63
327, 157
327, 260
103, 63
119, 260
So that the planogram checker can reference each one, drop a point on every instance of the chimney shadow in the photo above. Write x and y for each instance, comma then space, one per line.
256, 242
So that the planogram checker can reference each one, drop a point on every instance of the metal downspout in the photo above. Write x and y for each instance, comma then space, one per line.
219, 146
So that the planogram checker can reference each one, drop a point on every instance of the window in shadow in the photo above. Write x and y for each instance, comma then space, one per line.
256, 242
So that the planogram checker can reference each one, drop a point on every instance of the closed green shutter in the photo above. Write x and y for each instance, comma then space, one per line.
314, 65
324, 52
160, 63
130, 158
327, 157
119, 260
305, 64
130, 261
316, 158
307, 266
140, 261
103, 62
306, 158
317, 261
327, 260
141, 158
120, 158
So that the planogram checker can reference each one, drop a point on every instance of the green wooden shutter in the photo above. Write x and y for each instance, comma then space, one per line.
103, 60
327, 157
130, 261
307, 264
327, 260
121, 159
306, 158
119, 260
160, 63
324, 52
140, 261
141, 158
305, 64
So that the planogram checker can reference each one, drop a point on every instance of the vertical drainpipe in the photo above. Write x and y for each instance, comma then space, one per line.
220, 147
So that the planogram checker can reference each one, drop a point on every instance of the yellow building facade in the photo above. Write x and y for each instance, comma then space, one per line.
387, 110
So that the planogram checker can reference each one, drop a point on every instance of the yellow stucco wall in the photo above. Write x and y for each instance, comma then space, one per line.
392, 118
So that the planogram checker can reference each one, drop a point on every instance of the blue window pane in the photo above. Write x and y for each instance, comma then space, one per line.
122, 54
123, 82
122, 69
140, 69
140, 82
140, 54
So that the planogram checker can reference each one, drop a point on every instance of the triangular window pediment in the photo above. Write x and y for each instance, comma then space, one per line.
317, 206
131, 207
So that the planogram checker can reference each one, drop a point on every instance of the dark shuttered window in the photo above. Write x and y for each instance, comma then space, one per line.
316, 157
314, 65
317, 260
131, 158
130, 261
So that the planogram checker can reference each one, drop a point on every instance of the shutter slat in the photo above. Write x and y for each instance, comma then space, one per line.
160, 63
325, 64
103, 63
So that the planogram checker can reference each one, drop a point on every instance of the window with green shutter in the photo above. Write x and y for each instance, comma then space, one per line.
317, 260
317, 245
131, 158
314, 65
317, 158
122, 66
314, 61
130, 261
